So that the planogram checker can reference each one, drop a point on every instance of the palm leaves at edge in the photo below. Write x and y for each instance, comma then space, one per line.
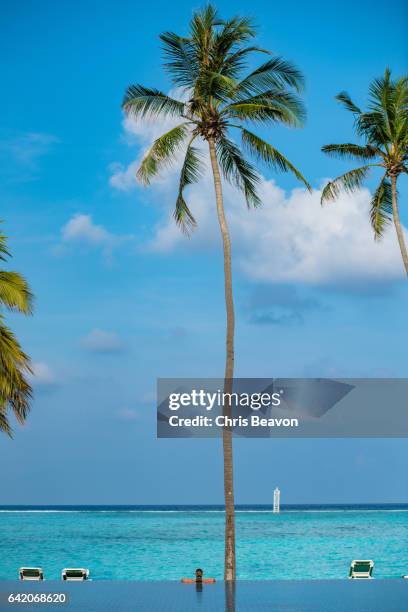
349, 181
190, 173
350, 150
274, 73
15, 293
238, 171
140, 101
161, 153
381, 208
15, 391
384, 128
265, 152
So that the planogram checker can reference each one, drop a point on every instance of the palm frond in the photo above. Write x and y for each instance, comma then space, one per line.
265, 152
203, 22
238, 171
15, 391
381, 105
380, 91
231, 35
181, 58
4, 252
202, 28
190, 173
372, 126
350, 150
272, 105
275, 73
235, 62
4, 422
349, 182
381, 208
347, 102
401, 114
258, 112
141, 102
161, 153
213, 85
369, 125
15, 293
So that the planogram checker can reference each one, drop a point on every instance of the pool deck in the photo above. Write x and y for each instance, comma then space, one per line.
272, 596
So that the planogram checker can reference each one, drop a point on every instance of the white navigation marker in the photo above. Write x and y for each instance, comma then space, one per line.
276, 501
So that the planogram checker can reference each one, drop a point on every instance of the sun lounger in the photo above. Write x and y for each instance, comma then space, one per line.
31, 573
361, 569
75, 574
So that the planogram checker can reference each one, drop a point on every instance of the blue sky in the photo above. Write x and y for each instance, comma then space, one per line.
122, 298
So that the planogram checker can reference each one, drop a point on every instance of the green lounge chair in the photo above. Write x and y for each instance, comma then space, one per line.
361, 569
75, 574
31, 573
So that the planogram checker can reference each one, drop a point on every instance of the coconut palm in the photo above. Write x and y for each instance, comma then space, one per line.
384, 129
15, 390
217, 101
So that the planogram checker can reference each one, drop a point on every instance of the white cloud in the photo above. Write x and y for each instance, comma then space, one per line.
294, 239
124, 179
100, 341
290, 239
81, 229
42, 374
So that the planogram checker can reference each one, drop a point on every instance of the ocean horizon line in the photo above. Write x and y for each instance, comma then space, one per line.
311, 507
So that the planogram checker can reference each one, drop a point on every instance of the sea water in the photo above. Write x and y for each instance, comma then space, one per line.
167, 543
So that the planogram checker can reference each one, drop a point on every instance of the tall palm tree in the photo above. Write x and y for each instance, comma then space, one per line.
207, 66
384, 128
15, 390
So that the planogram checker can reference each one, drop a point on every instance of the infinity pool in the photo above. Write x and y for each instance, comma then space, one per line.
279, 596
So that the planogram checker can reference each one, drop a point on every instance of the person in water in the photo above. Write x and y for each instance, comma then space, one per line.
199, 579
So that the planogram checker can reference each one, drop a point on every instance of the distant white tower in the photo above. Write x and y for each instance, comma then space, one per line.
276, 501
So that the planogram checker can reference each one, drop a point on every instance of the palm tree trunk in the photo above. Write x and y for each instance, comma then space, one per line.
230, 565
397, 223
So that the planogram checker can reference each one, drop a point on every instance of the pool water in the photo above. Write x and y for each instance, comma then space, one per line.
242, 596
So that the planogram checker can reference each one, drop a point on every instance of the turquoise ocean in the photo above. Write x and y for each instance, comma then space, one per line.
168, 542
